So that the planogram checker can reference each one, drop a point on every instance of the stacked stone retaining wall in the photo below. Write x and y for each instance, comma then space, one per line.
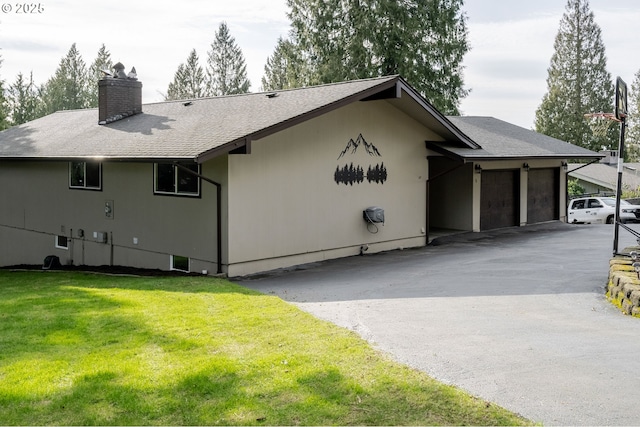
623, 289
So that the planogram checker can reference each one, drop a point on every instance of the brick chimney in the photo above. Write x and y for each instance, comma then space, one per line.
119, 95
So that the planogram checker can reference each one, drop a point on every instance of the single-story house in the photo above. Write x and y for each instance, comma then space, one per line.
248, 183
602, 177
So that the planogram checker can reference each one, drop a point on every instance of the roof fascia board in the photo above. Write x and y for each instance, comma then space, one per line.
435, 146
360, 96
546, 157
99, 159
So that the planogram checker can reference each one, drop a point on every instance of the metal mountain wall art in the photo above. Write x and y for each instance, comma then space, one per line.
351, 173
352, 147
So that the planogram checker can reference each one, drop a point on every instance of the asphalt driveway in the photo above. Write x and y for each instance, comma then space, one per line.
517, 317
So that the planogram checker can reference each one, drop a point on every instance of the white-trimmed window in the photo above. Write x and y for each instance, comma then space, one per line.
85, 175
62, 242
173, 180
180, 263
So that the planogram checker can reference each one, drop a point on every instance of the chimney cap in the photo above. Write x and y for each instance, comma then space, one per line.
119, 73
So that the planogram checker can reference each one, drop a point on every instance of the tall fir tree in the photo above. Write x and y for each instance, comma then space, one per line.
4, 109
423, 41
284, 69
23, 100
188, 81
4, 105
632, 134
578, 81
226, 69
102, 63
69, 88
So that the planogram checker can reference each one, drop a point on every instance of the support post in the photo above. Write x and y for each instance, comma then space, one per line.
616, 231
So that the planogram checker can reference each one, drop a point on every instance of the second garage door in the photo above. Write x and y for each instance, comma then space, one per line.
543, 201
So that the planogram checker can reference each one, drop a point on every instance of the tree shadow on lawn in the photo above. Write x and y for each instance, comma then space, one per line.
78, 352
221, 394
88, 310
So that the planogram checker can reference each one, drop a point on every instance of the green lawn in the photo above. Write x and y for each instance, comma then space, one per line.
84, 349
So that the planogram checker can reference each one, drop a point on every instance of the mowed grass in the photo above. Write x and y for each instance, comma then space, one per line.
84, 349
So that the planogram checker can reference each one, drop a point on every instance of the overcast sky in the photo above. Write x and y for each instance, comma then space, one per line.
506, 69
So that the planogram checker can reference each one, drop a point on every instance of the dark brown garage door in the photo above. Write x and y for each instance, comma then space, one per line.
543, 191
500, 199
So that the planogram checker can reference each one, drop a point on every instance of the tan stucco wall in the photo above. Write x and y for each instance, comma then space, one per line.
36, 204
285, 207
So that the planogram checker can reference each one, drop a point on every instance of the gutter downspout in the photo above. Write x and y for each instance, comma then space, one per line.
218, 209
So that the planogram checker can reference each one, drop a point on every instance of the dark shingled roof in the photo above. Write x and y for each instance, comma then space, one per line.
605, 175
200, 129
502, 140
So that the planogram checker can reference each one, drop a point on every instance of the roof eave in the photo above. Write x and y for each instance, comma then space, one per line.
453, 129
388, 89
245, 141
530, 157
142, 159
475, 157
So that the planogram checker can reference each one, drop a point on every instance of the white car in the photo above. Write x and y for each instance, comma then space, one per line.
590, 210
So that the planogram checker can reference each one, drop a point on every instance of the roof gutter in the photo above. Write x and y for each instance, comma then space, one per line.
435, 146
99, 159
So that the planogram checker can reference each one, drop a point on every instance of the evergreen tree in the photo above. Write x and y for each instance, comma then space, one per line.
578, 81
284, 68
423, 41
69, 87
101, 63
632, 134
4, 107
188, 81
226, 68
23, 100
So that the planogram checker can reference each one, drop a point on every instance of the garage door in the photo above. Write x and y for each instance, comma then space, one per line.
543, 195
500, 199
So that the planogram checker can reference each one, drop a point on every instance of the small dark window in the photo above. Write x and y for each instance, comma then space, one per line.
180, 263
62, 242
85, 175
171, 179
